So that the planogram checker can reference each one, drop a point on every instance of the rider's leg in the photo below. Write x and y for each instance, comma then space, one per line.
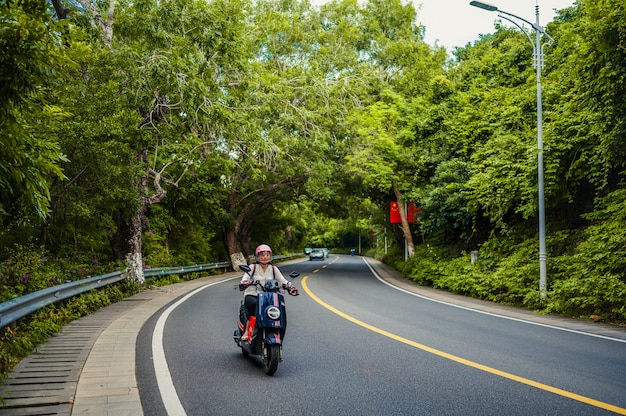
245, 336
250, 304
249, 328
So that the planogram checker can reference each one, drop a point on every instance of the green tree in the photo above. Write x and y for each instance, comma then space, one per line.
588, 95
381, 155
31, 55
497, 101
386, 147
162, 89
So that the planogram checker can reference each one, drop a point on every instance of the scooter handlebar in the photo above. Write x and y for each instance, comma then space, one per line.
292, 290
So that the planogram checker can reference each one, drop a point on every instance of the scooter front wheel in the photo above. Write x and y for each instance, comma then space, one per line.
271, 359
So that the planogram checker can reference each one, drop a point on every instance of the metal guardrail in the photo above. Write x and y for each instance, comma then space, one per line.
14, 309
162, 271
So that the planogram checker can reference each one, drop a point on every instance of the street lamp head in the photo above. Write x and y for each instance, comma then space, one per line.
481, 5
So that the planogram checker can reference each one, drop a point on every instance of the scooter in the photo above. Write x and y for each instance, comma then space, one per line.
268, 327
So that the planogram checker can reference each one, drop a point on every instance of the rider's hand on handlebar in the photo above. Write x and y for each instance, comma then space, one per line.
293, 291
243, 285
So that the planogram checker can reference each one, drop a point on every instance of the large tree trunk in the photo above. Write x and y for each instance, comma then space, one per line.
398, 234
243, 235
232, 245
405, 222
126, 245
103, 23
232, 234
134, 259
118, 239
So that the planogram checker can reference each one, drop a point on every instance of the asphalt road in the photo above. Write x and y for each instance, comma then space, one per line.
358, 346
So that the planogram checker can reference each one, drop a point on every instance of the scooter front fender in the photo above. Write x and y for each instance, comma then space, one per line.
273, 338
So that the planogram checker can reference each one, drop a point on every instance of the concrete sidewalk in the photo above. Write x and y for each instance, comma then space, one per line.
89, 367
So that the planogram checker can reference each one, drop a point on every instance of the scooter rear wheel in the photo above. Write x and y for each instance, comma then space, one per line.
271, 359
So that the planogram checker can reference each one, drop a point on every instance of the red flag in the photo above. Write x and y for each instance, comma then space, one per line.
394, 212
413, 212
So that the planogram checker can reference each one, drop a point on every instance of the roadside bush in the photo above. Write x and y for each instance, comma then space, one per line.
592, 279
582, 297
28, 269
589, 280
19, 341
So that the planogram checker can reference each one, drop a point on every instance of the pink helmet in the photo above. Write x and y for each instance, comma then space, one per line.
263, 247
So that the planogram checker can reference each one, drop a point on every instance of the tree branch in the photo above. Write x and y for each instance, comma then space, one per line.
98, 21
157, 177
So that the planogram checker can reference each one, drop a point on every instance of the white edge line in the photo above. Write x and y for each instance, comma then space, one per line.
490, 313
172, 403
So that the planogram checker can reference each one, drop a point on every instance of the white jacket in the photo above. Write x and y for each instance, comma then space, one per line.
270, 273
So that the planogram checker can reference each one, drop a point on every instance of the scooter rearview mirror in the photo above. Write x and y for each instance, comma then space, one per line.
293, 275
245, 268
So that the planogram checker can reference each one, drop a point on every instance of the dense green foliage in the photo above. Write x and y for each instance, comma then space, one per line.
193, 130
30, 57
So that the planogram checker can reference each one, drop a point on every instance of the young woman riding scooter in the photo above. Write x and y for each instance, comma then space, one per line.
262, 271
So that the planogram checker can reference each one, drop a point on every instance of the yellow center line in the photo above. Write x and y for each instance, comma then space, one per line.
560, 392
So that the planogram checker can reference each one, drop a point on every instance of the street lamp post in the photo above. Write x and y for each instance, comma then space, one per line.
538, 64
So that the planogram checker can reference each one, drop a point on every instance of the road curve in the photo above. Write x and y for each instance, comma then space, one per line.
355, 345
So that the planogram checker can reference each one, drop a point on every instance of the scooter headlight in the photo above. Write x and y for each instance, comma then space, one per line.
273, 312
